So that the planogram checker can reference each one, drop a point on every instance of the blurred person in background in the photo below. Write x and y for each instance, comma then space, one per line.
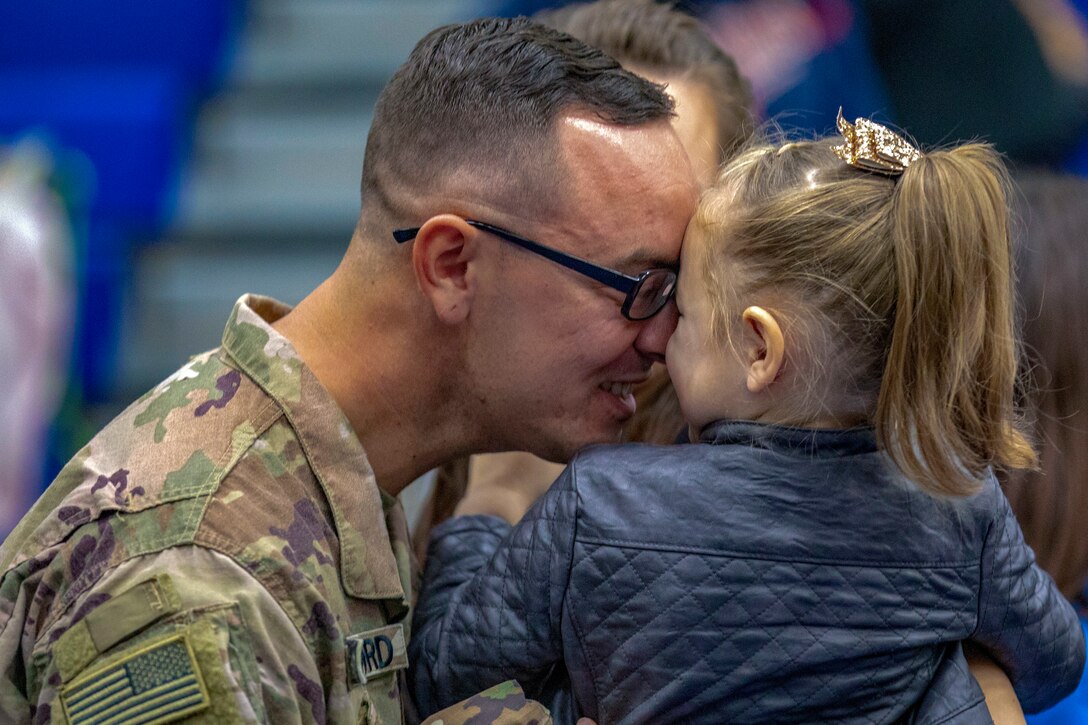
237, 526
115, 89
1011, 72
801, 57
36, 320
713, 118
1051, 503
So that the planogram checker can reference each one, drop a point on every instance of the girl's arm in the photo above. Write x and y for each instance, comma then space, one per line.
1025, 623
492, 600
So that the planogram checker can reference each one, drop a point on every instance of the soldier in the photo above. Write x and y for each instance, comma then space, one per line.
229, 549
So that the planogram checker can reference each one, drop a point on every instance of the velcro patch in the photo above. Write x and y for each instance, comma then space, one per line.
377, 652
114, 620
157, 683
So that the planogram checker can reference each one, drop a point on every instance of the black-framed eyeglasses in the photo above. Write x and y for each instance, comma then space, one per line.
645, 295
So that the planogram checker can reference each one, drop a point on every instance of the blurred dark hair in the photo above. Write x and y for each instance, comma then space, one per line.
1052, 254
485, 96
658, 39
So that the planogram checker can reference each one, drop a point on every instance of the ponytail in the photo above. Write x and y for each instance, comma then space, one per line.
946, 408
901, 265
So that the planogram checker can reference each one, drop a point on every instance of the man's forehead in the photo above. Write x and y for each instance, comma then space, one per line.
636, 146
630, 190
590, 131
614, 162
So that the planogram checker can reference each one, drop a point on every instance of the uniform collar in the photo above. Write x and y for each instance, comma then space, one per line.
364, 515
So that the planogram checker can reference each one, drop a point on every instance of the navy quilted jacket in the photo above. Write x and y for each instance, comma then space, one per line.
775, 575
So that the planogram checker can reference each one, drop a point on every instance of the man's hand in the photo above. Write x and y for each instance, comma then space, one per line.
1000, 699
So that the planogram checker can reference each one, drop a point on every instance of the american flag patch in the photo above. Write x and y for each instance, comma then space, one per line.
157, 683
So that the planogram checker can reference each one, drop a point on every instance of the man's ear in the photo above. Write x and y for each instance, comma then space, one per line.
765, 348
442, 256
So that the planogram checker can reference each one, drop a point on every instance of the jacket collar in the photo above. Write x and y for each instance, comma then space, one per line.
364, 515
809, 442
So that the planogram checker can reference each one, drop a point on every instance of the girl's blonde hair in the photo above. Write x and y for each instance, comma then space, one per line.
908, 279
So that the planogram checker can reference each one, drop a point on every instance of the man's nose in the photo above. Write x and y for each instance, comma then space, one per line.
655, 333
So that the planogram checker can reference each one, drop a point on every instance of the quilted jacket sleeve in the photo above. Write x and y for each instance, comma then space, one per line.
492, 600
1025, 623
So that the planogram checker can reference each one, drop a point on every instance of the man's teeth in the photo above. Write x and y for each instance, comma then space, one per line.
620, 389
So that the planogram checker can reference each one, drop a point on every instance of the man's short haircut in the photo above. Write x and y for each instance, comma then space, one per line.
658, 39
483, 98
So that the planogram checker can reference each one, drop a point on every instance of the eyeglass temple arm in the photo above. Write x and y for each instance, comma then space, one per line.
611, 278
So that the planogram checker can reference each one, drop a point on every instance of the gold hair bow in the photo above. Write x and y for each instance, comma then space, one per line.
873, 147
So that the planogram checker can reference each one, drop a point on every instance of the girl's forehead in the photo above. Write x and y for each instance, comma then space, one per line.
703, 230
693, 238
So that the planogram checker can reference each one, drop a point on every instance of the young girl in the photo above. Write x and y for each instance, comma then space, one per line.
845, 357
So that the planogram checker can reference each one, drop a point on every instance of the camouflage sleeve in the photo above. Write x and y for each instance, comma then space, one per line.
503, 704
492, 600
185, 632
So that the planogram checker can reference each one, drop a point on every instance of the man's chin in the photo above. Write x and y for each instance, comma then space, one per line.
559, 443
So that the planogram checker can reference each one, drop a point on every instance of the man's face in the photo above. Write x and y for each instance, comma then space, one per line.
553, 357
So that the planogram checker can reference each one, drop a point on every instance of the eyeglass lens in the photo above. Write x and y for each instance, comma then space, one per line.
652, 294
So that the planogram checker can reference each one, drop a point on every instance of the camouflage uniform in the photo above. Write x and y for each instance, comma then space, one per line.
220, 552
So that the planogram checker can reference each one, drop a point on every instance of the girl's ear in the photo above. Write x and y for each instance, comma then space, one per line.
765, 348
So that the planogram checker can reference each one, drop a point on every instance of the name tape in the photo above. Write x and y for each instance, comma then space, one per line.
377, 652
